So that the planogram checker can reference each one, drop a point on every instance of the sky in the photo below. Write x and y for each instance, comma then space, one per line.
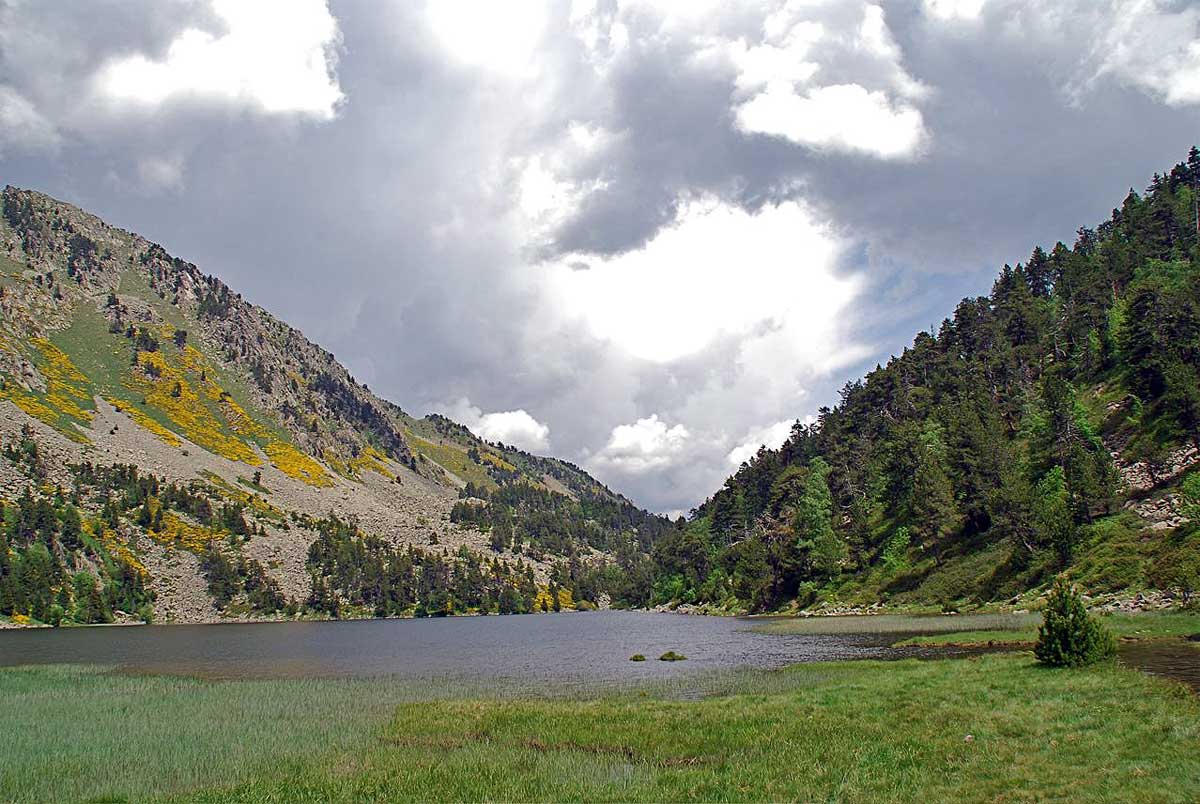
645, 236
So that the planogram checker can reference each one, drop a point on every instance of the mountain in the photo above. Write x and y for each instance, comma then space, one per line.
171, 451
1049, 427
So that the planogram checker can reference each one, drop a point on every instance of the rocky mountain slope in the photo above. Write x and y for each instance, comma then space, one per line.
251, 445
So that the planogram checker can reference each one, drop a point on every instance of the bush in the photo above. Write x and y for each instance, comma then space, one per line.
1068, 635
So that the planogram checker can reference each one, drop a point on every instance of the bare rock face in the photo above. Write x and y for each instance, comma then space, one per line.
1143, 475
1164, 513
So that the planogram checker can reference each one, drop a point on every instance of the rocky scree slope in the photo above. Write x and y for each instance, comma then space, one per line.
113, 353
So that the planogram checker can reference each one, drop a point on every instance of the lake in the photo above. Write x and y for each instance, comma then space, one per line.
582, 649
585, 647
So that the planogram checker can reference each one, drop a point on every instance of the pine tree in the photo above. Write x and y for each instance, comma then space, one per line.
1052, 514
1069, 636
935, 511
814, 522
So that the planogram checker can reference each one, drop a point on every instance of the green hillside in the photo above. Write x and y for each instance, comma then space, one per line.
1050, 426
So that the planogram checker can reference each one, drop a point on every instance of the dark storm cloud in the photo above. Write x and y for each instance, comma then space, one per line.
388, 234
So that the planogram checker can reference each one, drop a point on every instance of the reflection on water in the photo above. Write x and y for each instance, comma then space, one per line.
585, 647
1173, 658
576, 650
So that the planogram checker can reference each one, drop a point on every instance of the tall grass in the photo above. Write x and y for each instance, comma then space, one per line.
994, 727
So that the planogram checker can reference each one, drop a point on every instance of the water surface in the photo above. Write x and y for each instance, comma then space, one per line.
568, 650
580, 646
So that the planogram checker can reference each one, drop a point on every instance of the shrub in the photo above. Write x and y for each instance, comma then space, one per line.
672, 656
1068, 635
637, 657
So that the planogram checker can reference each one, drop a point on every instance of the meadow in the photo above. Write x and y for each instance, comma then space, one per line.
994, 727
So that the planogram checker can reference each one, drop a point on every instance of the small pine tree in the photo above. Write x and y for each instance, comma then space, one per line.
1068, 635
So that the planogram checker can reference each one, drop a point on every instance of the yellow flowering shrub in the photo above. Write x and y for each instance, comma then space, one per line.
175, 532
117, 548
373, 460
21, 619
68, 390
497, 461
232, 493
166, 388
333, 462
294, 463
566, 600
142, 420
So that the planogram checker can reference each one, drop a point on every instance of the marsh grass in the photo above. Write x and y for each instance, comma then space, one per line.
996, 726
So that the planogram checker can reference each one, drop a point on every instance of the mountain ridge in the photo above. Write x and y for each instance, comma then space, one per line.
113, 350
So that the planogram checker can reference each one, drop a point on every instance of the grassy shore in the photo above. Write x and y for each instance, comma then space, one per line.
1151, 625
978, 729
972, 629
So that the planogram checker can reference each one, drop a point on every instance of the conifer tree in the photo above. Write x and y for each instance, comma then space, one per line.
935, 511
1069, 636
814, 522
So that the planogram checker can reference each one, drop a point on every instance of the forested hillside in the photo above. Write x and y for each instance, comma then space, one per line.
1046, 427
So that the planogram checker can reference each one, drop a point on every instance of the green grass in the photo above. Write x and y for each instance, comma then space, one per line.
978, 729
453, 459
1150, 625
897, 624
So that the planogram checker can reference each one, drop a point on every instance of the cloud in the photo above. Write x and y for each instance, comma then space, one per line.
513, 427
644, 446
161, 174
498, 37
718, 270
772, 437
278, 56
954, 9
22, 126
787, 97
578, 230
1154, 46
841, 117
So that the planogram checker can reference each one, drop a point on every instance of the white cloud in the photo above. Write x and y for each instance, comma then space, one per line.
546, 192
21, 124
719, 270
644, 446
954, 9
1155, 47
836, 84
772, 437
513, 427
275, 55
499, 37
1152, 45
844, 117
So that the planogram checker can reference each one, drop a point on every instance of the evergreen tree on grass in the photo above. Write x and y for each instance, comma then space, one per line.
1068, 635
